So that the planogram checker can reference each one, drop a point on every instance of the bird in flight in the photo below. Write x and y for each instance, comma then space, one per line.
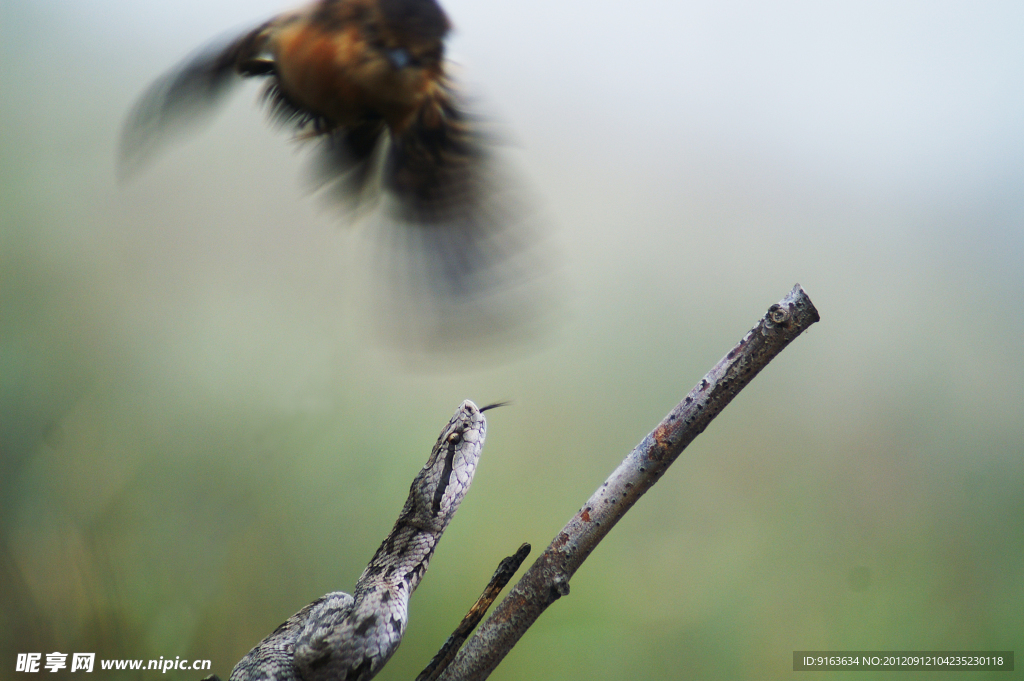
366, 82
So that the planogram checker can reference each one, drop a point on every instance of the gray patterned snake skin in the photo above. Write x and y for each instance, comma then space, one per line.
341, 637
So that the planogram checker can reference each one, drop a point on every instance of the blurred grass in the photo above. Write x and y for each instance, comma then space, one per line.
199, 437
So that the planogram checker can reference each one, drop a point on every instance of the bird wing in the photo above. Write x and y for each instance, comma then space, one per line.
187, 94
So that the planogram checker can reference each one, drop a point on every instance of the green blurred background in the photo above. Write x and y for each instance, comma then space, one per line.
199, 435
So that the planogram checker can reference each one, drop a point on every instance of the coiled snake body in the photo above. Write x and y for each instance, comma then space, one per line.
350, 637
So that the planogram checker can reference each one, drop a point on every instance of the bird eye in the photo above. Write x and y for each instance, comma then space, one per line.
399, 57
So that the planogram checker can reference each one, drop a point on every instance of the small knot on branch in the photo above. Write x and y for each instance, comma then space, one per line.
559, 588
778, 315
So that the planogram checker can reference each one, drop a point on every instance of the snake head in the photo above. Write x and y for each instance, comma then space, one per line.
444, 480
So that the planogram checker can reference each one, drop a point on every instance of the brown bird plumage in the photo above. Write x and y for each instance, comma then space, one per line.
367, 80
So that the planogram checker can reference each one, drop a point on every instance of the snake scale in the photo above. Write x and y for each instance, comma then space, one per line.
350, 637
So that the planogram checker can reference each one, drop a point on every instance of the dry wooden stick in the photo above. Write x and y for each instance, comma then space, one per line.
548, 578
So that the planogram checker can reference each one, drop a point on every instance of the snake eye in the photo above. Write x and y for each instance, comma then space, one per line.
455, 437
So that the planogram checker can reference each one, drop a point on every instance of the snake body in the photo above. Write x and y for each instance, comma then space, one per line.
350, 637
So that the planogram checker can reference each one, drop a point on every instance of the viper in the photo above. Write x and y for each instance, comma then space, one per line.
350, 637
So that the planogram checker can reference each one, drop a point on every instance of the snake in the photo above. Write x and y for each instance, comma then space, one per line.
350, 637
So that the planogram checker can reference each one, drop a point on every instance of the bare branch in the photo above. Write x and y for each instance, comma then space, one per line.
548, 578
506, 569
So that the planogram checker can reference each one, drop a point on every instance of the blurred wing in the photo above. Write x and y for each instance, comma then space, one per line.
438, 167
347, 164
187, 95
463, 257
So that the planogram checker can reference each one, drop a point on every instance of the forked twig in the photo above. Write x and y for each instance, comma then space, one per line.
501, 577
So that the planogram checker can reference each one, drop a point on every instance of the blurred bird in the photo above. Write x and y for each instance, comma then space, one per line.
367, 80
